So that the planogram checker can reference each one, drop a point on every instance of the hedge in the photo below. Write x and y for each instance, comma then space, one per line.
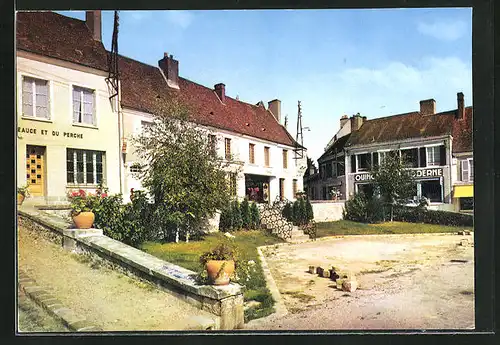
419, 215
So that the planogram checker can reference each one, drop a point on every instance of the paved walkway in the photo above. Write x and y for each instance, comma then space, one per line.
109, 299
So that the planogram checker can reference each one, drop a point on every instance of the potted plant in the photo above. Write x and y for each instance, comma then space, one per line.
82, 206
22, 193
220, 263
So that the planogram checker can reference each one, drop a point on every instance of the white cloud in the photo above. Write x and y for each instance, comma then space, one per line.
443, 30
137, 16
181, 19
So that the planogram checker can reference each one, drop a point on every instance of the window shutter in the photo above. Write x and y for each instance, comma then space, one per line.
465, 170
442, 155
353, 163
76, 105
471, 169
375, 159
423, 157
41, 99
27, 97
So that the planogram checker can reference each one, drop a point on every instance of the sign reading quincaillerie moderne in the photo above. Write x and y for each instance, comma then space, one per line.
434, 172
47, 132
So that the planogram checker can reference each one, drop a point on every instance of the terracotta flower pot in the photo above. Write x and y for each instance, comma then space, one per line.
20, 198
220, 271
84, 220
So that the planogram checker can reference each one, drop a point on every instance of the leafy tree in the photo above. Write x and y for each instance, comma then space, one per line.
288, 211
302, 211
245, 214
295, 212
393, 182
254, 216
185, 179
226, 219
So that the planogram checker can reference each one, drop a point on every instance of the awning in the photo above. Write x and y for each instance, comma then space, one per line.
463, 191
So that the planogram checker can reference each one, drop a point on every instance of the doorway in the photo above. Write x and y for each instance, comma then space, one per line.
35, 170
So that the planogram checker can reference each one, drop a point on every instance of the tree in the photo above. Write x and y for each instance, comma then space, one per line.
186, 181
245, 214
236, 215
254, 216
309, 211
393, 182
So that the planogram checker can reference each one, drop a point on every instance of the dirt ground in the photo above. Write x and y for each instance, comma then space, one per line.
405, 282
107, 298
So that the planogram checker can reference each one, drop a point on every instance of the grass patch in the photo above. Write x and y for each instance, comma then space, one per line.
302, 297
347, 227
187, 255
381, 270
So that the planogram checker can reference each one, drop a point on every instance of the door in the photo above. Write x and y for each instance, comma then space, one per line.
35, 170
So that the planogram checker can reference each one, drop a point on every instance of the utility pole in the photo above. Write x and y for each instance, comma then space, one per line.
299, 139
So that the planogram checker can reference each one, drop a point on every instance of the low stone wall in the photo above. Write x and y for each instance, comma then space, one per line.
327, 211
226, 302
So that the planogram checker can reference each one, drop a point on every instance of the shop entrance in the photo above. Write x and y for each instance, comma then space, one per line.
257, 188
35, 169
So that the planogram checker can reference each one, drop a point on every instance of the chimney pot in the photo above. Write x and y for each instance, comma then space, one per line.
343, 120
274, 107
220, 90
93, 22
170, 68
428, 107
356, 122
460, 106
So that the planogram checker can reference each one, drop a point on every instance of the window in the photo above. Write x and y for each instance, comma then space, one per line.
282, 188
35, 98
83, 106
467, 170
334, 169
212, 142
466, 204
341, 169
294, 188
410, 158
84, 166
364, 162
266, 156
432, 190
325, 193
434, 155
285, 159
329, 169
251, 153
228, 148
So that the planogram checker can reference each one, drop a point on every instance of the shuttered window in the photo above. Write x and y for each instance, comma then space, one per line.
35, 98
294, 188
84, 106
285, 159
228, 148
266, 156
467, 170
251, 153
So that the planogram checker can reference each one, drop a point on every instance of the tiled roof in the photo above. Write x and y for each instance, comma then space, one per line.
51, 34
462, 133
402, 127
60, 37
143, 86
337, 145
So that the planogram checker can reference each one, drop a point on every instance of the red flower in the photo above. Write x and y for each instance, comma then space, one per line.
103, 195
82, 192
75, 194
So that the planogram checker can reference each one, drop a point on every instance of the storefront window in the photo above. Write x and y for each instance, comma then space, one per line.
432, 190
364, 162
84, 166
466, 204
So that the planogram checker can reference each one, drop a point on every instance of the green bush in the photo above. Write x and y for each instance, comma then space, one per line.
254, 216
420, 215
363, 209
128, 223
226, 219
245, 214
302, 219
295, 212
237, 222
288, 211
309, 211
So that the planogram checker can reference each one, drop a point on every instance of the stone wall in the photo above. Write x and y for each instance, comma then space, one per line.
327, 211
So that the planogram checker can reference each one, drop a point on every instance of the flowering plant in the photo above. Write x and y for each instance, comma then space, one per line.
85, 202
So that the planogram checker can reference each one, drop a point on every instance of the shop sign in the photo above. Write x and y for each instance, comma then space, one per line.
46, 132
435, 172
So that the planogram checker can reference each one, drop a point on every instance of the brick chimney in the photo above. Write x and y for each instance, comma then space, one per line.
220, 90
356, 122
343, 120
428, 107
460, 106
274, 107
170, 68
93, 21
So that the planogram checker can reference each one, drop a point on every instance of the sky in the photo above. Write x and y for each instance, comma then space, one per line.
376, 62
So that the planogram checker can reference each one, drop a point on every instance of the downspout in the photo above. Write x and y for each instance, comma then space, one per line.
120, 136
